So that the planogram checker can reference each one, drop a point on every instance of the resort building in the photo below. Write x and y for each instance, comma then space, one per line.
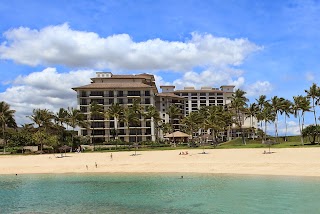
106, 89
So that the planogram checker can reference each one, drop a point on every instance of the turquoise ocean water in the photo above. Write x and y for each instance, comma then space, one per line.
157, 193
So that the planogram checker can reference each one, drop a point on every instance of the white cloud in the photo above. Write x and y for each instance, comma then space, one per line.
210, 77
61, 45
258, 88
309, 76
45, 89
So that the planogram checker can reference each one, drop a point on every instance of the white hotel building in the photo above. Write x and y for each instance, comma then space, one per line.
107, 88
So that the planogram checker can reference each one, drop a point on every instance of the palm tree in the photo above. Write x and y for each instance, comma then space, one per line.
129, 117
300, 106
314, 94
276, 105
43, 119
261, 101
115, 111
137, 111
60, 118
214, 120
286, 109
75, 118
192, 122
153, 114
251, 113
166, 128
174, 112
6, 120
96, 111
238, 104
267, 115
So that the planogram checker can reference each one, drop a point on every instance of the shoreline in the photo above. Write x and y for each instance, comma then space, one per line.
301, 162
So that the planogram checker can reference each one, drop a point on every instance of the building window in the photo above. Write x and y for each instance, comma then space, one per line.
96, 93
83, 94
111, 124
202, 94
147, 93
120, 93
219, 101
184, 94
133, 93
193, 94
83, 109
219, 94
120, 101
111, 94
147, 101
111, 101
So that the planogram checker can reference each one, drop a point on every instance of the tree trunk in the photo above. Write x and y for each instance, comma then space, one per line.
300, 129
241, 130
4, 139
285, 121
265, 130
314, 112
276, 127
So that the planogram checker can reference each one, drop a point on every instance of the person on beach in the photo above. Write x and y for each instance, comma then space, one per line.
111, 156
87, 167
95, 163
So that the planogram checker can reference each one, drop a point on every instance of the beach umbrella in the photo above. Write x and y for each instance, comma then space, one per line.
64, 148
269, 143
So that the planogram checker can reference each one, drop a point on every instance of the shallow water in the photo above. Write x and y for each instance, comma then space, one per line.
157, 193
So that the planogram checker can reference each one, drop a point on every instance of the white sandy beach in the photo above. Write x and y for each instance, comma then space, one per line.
293, 162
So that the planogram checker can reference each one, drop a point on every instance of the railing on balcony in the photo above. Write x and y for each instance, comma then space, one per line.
96, 94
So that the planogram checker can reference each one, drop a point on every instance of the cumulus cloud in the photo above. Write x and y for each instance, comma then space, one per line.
61, 45
309, 76
258, 88
210, 77
44, 89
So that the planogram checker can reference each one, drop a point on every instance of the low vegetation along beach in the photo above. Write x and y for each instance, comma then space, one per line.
282, 161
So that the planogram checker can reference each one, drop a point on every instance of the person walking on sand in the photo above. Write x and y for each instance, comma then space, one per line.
111, 156
87, 167
95, 163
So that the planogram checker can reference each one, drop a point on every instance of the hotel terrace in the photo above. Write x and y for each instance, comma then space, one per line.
107, 88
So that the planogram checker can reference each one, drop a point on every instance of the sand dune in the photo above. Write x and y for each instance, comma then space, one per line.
297, 162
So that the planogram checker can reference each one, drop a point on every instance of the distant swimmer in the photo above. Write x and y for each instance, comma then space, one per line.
181, 176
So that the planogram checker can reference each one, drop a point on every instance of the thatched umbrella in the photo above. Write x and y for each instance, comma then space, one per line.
269, 143
180, 135
64, 148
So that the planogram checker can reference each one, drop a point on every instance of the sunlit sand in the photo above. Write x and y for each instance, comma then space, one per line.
297, 162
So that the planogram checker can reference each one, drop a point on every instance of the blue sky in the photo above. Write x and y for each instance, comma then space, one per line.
263, 47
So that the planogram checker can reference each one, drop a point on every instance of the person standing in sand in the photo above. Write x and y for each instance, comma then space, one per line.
111, 156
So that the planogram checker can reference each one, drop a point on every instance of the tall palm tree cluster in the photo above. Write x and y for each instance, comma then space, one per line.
218, 119
46, 128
